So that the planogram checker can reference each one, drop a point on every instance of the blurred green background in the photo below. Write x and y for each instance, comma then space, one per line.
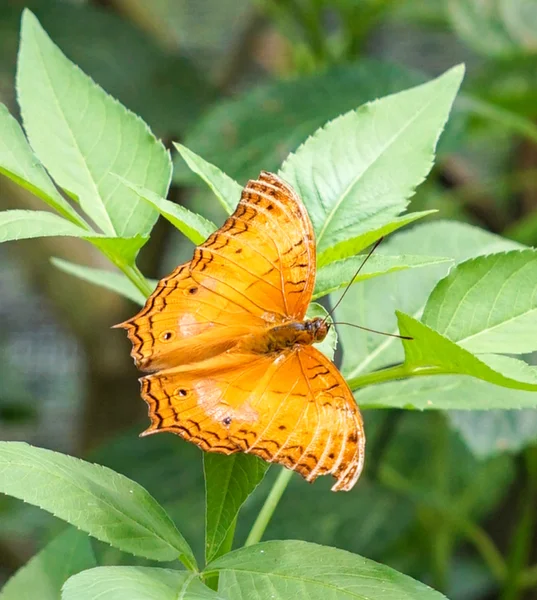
243, 82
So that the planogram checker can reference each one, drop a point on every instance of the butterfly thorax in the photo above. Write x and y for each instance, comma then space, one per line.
286, 336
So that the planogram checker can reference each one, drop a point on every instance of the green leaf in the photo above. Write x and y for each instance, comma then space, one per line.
495, 432
82, 136
110, 280
354, 245
26, 224
358, 172
229, 480
488, 304
43, 576
258, 129
18, 162
226, 189
373, 302
340, 273
195, 227
136, 583
107, 505
303, 571
429, 349
443, 392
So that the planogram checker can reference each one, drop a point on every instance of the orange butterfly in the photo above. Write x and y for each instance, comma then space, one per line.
231, 356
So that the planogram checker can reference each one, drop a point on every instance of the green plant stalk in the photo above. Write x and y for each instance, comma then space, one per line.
134, 274
398, 372
442, 529
266, 512
523, 535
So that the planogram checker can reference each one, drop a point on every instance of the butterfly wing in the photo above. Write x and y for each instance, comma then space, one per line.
257, 269
294, 409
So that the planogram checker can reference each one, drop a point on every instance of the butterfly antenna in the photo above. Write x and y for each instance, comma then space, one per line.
375, 246
395, 335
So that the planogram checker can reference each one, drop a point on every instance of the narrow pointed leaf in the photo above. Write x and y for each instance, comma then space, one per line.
302, 571
352, 246
97, 500
428, 348
26, 224
340, 273
229, 480
373, 303
488, 304
358, 172
227, 190
44, 574
111, 280
136, 583
18, 162
82, 136
195, 227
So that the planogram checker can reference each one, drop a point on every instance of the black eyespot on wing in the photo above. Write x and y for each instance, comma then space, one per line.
227, 421
192, 290
182, 392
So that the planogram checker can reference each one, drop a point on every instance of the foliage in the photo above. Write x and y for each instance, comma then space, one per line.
356, 153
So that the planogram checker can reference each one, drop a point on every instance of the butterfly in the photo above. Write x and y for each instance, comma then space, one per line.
230, 355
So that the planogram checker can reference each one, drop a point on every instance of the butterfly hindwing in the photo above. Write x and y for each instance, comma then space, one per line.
294, 409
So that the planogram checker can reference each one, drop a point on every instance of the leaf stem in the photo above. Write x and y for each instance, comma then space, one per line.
266, 512
135, 275
398, 372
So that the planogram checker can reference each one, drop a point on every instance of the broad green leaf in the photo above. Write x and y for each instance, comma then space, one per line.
357, 244
444, 392
329, 344
488, 304
495, 432
428, 348
82, 136
257, 130
103, 503
373, 302
43, 576
358, 172
303, 571
229, 480
136, 583
226, 189
18, 162
111, 280
195, 227
26, 224
340, 273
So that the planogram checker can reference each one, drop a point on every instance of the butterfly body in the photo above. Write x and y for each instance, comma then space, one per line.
230, 355
287, 336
